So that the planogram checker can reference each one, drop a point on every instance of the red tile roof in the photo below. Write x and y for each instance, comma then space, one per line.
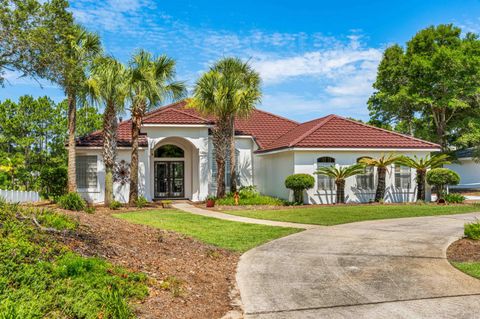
263, 126
272, 132
334, 131
124, 137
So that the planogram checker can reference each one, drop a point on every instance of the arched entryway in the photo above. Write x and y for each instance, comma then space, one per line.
174, 169
169, 172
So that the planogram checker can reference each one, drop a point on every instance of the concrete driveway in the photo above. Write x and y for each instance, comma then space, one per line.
378, 269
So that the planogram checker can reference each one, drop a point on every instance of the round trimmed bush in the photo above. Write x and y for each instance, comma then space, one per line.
299, 183
440, 177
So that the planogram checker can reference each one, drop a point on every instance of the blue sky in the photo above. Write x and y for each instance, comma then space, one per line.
315, 57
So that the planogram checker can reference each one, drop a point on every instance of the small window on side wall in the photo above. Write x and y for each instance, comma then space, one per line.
325, 182
403, 177
365, 181
86, 172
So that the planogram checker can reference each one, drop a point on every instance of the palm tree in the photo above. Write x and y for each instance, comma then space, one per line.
340, 174
421, 165
228, 90
150, 83
243, 94
381, 164
79, 54
108, 87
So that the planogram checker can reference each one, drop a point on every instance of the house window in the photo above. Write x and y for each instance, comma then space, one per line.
325, 182
171, 151
403, 177
86, 172
365, 181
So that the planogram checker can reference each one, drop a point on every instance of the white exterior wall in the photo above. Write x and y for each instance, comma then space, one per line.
245, 165
272, 169
120, 192
469, 172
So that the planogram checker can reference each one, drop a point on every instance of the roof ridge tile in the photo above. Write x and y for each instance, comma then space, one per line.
388, 131
322, 122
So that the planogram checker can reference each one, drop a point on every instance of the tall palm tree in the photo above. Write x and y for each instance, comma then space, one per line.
381, 164
108, 87
230, 89
242, 96
340, 174
421, 165
151, 82
79, 54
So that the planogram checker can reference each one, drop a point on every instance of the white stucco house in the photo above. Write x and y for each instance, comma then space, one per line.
467, 168
177, 156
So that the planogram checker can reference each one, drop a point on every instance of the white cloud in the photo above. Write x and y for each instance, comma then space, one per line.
332, 64
303, 108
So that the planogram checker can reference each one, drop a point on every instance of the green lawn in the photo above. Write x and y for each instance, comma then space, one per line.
226, 234
470, 268
333, 215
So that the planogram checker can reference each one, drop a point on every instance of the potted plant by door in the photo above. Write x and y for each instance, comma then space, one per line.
210, 201
166, 203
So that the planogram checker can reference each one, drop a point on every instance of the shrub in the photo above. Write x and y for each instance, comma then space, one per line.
53, 181
141, 202
90, 210
455, 198
256, 200
72, 201
115, 204
472, 230
439, 177
299, 183
248, 191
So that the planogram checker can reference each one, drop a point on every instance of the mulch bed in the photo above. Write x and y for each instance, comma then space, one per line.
464, 250
206, 273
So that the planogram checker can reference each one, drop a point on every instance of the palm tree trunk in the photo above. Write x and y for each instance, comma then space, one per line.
220, 135
233, 171
380, 192
340, 199
420, 185
72, 114
109, 149
136, 124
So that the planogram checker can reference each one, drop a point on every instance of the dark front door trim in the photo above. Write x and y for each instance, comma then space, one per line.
169, 179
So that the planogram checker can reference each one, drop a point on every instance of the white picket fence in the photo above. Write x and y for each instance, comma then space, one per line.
19, 196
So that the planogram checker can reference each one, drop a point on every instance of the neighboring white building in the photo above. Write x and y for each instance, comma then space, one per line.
177, 156
468, 169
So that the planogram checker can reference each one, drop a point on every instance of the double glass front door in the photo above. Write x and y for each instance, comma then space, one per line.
169, 179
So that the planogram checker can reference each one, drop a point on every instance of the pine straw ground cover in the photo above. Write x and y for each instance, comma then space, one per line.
188, 279
464, 254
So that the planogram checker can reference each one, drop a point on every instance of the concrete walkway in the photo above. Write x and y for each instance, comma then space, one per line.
377, 269
210, 213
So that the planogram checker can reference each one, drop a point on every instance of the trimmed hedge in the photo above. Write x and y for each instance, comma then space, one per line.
299, 183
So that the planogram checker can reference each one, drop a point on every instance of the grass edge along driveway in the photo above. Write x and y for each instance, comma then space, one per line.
221, 233
342, 214
471, 268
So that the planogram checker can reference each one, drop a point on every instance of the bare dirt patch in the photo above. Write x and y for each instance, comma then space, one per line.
464, 250
189, 279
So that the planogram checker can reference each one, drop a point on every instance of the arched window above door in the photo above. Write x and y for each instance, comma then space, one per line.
169, 151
